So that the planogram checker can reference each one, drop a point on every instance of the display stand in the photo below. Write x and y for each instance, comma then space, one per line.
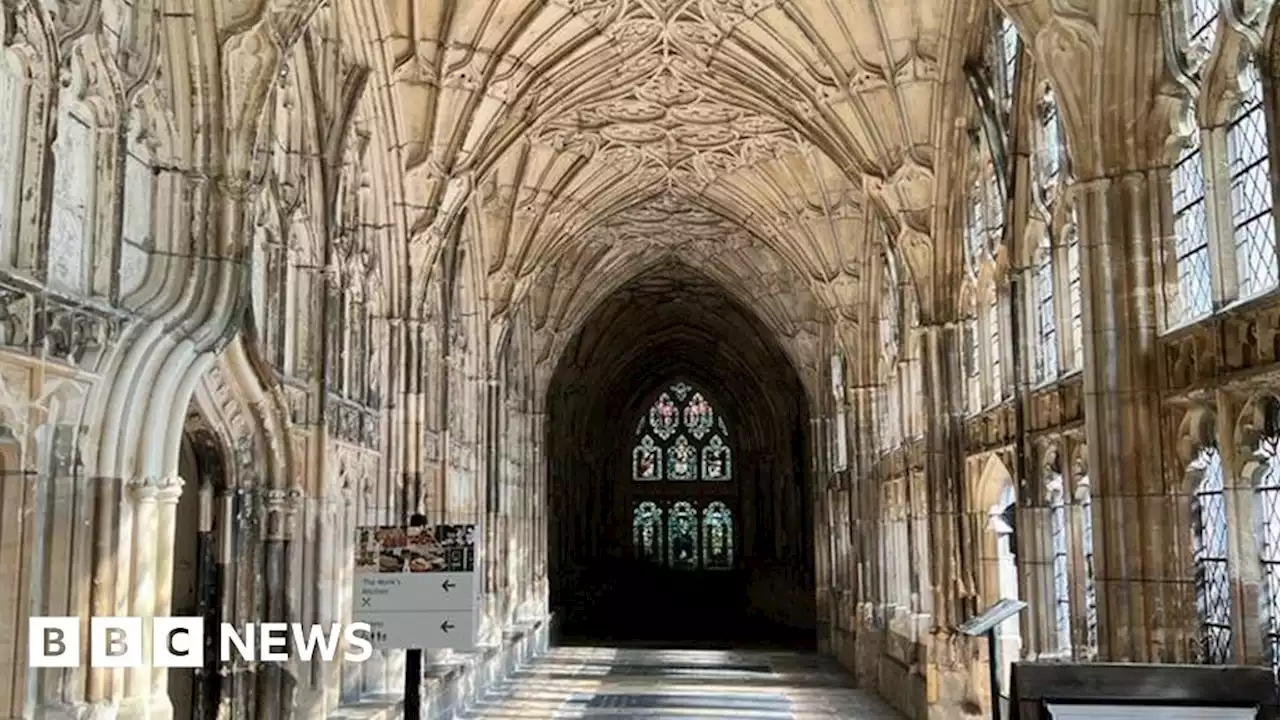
988, 623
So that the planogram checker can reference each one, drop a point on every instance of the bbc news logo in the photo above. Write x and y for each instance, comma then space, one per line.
120, 642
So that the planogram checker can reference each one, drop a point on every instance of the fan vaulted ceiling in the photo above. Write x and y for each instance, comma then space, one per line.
587, 140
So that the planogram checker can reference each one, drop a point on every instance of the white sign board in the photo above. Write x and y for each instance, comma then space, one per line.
416, 587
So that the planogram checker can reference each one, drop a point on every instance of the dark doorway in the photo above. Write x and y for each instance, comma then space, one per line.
678, 492
197, 574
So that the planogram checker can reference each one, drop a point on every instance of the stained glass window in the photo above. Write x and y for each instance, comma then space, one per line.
717, 463
1061, 564
1267, 512
1047, 350
1213, 584
682, 536
646, 528
682, 460
646, 460
1257, 267
682, 438
681, 463
1085, 498
717, 536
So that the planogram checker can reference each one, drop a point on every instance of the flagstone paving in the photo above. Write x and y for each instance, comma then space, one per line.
614, 684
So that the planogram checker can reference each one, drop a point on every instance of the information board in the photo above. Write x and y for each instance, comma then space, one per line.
416, 586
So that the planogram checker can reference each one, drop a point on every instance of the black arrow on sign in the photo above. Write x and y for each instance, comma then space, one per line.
446, 626
448, 585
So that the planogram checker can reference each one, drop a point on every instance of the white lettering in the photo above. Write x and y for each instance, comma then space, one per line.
306, 644
357, 636
244, 645
273, 641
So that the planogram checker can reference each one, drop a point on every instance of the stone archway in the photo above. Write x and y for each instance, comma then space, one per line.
659, 330
203, 527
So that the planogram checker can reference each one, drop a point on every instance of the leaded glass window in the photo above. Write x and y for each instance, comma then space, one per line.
682, 536
993, 339
717, 536
1051, 149
973, 364
646, 529
682, 460
1010, 45
681, 467
1200, 20
1074, 296
1209, 535
1267, 522
647, 460
682, 438
1194, 296
1084, 497
1045, 315
1252, 222
1061, 565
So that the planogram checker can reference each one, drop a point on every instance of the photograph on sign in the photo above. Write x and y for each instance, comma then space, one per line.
440, 548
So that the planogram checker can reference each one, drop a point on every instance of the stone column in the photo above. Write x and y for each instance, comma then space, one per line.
143, 493
538, 510
328, 687
940, 349
168, 492
281, 688
1120, 220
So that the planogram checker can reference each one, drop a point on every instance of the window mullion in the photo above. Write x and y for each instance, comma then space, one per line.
1224, 281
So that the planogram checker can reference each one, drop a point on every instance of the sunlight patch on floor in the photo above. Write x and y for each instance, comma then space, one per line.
585, 683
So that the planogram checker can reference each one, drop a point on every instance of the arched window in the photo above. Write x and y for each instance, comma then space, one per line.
1194, 295
891, 349
995, 349
1200, 21
1253, 226
1002, 59
1075, 303
1209, 539
1061, 564
984, 236
13, 96
1242, 188
1267, 522
717, 536
1045, 313
1084, 501
682, 463
646, 530
682, 536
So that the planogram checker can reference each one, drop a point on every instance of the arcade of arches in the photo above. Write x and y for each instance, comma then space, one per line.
821, 325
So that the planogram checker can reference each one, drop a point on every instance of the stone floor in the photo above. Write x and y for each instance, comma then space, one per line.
599, 683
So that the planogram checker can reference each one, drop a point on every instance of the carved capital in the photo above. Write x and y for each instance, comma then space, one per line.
169, 489
144, 489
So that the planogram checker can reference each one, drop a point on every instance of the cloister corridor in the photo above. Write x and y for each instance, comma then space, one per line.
755, 350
